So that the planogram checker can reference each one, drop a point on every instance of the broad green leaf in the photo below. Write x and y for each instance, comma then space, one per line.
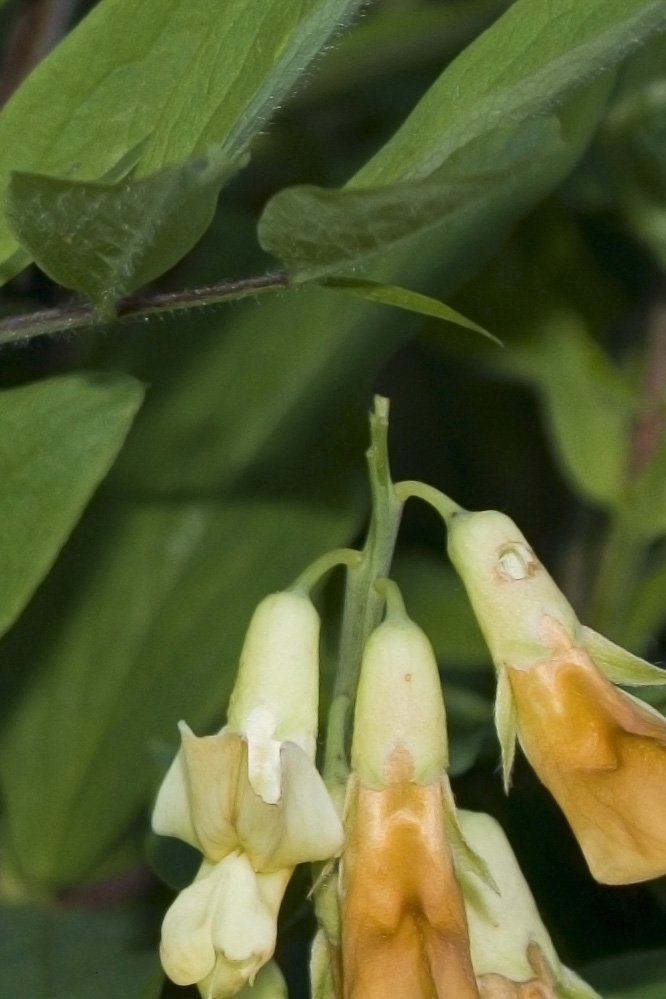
152, 638
634, 976
403, 298
76, 953
59, 439
525, 64
589, 407
490, 181
107, 240
529, 62
183, 75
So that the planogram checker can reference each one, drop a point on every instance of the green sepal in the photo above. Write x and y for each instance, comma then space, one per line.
618, 665
505, 723
466, 860
269, 984
321, 971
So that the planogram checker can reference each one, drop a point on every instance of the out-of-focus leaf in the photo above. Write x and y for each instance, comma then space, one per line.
59, 439
526, 63
589, 407
633, 976
481, 112
633, 145
647, 496
107, 240
646, 614
436, 600
152, 638
403, 298
73, 953
183, 75
316, 232
395, 38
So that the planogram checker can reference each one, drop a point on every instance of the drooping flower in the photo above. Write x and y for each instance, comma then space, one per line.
512, 954
251, 800
404, 931
601, 752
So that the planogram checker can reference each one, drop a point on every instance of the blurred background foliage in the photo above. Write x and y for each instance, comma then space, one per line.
245, 462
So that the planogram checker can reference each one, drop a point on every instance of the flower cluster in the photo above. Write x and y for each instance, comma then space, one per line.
425, 902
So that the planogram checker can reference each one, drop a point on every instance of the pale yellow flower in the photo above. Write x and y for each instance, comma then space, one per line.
512, 953
601, 752
404, 931
251, 800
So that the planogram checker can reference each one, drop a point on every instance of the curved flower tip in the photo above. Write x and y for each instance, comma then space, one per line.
404, 931
512, 954
602, 755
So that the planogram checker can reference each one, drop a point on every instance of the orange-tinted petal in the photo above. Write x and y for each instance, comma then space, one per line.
603, 757
404, 930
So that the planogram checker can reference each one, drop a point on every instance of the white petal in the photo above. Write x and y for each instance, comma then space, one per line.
243, 927
171, 815
214, 767
186, 950
303, 826
263, 755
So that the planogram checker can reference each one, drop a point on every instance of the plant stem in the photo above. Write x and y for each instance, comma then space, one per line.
81, 315
363, 604
315, 572
445, 507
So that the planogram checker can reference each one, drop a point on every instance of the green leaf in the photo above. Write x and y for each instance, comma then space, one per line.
525, 64
589, 407
403, 298
486, 184
619, 665
154, 637
633, 976
479, 126
59, 439
183, 75
74, 953
107, 240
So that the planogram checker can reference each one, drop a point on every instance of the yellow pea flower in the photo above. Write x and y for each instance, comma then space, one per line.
404, 930
251, 800
600, 752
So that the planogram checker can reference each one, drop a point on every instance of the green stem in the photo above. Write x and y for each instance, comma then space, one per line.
81, 315
363, 604
315, 572
445, 507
